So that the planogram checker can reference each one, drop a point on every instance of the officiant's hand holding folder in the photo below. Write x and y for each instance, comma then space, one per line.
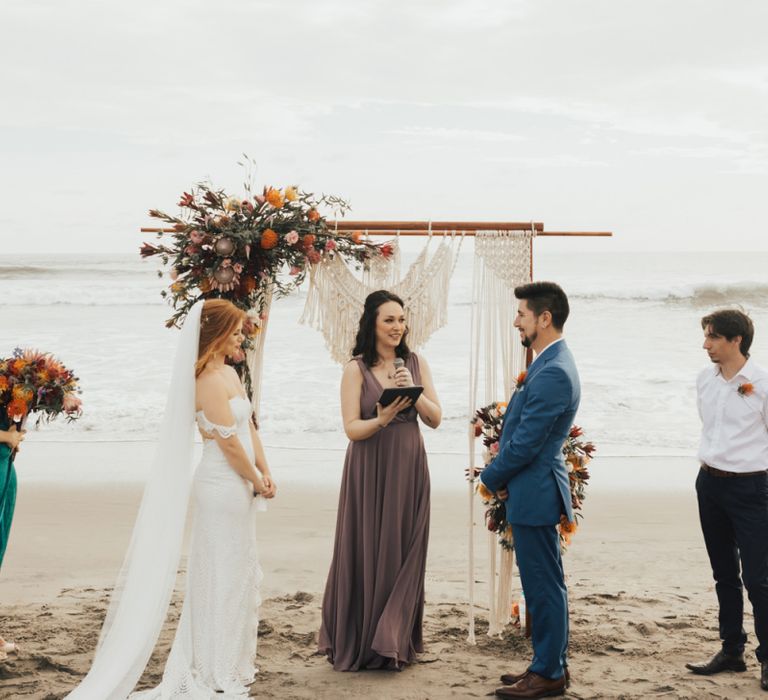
408, 392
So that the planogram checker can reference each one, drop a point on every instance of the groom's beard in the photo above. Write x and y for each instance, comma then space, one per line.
528, 340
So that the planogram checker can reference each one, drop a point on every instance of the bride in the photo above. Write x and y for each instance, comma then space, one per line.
215, 644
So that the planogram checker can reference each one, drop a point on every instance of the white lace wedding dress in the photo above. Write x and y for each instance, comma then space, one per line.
215, 645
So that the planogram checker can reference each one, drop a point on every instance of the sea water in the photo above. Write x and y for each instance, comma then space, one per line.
634, 330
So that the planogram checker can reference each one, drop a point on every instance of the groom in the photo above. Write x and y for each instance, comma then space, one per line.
530, 474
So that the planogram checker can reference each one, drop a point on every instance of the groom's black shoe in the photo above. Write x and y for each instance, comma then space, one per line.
719, 662
764, 675
512, 678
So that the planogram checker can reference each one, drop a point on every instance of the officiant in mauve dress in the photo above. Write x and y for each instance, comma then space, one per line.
374, 597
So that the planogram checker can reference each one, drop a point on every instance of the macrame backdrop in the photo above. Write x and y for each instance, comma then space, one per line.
502, 262
336, 295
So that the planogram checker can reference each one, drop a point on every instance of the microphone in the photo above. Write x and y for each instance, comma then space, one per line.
397, 363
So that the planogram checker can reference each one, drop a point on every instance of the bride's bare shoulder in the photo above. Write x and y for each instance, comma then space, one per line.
210, 384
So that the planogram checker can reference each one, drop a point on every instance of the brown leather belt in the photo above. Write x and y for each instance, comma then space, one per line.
719, 472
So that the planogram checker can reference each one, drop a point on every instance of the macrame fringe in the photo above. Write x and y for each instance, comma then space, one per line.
502, 262
255, 355
336, 296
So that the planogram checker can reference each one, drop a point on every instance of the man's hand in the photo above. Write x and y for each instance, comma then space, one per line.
502, 494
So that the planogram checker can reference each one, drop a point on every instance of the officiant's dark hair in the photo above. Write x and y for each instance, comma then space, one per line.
365, 342
731, 323
546, 296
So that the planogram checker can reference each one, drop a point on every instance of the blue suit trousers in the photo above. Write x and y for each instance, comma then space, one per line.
546, 597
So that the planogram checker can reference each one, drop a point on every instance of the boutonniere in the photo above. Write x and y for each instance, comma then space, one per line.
746, 389
521, 380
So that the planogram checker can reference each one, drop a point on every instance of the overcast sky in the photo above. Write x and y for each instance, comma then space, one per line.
644, 118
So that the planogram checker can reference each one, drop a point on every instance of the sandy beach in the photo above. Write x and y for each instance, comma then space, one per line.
642, 600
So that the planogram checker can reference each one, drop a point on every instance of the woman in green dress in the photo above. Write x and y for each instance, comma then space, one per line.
10, 439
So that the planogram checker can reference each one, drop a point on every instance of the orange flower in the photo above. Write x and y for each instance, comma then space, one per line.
313, 215
291, 194
275, 198
746, 389
205, 285
567, 527
43, 375
356, 237
501, 406
17, 407
177, 287
521, 379
483, 491
3, 383
18, 366
268, 238
22, 392
308, 240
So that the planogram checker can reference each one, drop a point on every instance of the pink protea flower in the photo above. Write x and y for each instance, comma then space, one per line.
71, 403
291, 238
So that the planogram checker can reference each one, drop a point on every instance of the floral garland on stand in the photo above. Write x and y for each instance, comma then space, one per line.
236, 249
248, 249
488, 423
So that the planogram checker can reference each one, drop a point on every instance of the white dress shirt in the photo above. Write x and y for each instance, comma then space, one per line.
734, 435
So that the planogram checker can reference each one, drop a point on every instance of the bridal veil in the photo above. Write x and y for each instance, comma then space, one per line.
141, 596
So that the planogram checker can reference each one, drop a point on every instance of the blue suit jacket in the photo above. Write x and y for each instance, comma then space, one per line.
530, 461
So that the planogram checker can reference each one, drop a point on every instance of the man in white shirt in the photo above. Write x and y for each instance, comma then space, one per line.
732, 486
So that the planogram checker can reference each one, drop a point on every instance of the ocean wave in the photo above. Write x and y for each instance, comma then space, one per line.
79, 295
697, 294
33, 272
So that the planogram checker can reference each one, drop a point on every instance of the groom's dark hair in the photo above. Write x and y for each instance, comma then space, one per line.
730, 323
546, 296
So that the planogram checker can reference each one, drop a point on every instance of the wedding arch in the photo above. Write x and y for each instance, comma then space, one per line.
503, 259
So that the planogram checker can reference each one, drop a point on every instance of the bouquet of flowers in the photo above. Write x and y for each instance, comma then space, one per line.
488, 423
237, 248
35, 382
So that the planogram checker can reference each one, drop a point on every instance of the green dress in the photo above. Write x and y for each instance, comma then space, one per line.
7, 489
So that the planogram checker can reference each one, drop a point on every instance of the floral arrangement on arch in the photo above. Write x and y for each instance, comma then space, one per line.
488, 423
241, 248
36, 382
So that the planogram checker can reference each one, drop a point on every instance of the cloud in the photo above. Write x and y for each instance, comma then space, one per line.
449, 134
563, 160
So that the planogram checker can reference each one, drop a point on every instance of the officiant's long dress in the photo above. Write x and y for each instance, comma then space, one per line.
214, 650
374, 598
7, 490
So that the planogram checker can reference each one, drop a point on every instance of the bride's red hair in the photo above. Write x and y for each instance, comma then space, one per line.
218, 321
